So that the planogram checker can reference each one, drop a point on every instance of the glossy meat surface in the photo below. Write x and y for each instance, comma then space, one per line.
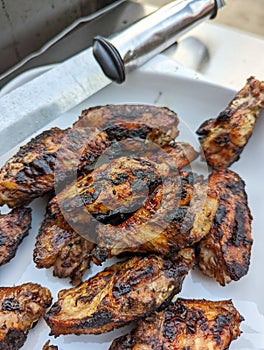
58, 245
119, 294
158, 124
185, 324
14, 226
224, 253
224, 138
178, 214
21, 307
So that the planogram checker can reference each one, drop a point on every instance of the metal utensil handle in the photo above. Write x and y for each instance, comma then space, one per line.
140, 42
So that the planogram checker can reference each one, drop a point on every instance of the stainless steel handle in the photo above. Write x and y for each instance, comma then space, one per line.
155, 33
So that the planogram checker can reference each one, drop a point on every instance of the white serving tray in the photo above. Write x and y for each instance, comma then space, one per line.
195, 101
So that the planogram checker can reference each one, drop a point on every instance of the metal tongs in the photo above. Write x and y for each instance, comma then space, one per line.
140, 42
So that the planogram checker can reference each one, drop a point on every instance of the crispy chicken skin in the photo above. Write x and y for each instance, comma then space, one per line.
49, 347
158, 124
178, 214
185, 324
21, 307
58, 245
224, 253
119, 294
224, 138
30, 172
14, 226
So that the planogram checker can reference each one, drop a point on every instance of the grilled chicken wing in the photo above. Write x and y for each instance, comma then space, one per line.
14, 226
30, 172
119, 294
49, 347
178, 214
58, 245
21, 308
158, 124
120, 185
223, 139
185, 324
224, 253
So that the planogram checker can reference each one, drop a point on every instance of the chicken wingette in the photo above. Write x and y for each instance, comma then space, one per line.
224, 253
60, 155
14, 226
224, 138
58, 245
20, 308
119, 294
185, 324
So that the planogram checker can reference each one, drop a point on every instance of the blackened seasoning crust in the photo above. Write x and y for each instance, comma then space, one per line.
178, 214
224, 138
158, 124
20, 308
224, 253
58, 245
14, 226
119, 294
185, 325
54, 155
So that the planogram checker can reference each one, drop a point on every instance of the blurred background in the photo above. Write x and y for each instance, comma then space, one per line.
247, 15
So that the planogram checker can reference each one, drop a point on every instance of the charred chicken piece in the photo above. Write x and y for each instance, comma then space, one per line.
21, 308
49, 347
158, 124
116, 187
30, 172
224, 253
119, 186
185, 324
224, 138
178, 214
119, 294
58, 245
14, 226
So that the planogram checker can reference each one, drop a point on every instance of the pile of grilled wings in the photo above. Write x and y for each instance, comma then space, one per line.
120, 185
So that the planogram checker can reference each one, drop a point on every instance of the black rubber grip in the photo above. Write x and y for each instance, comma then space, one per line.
109, 59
